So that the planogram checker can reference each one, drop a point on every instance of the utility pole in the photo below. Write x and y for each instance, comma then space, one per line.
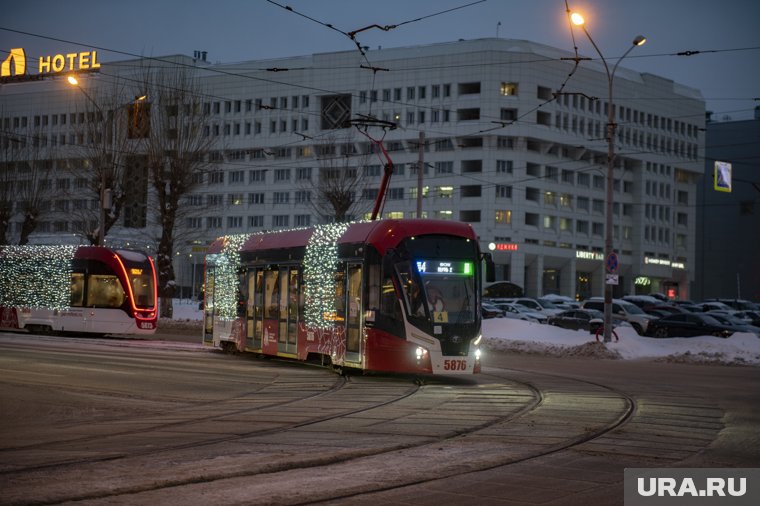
420, 168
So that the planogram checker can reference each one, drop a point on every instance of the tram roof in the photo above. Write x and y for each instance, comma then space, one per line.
383, 234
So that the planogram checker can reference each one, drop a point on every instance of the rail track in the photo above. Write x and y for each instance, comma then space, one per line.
282, 433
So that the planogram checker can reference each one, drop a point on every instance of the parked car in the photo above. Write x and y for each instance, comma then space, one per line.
737, 323
561, 301
738, 304
751, 317
657, 313
689, 325
632, 313
490, 311
520, 312
688, 305
546, 307
666, 308
583, 319
642, 300
714, 305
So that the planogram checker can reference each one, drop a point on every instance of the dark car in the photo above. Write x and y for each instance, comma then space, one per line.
751, 317
738, 324
577, 319
583, 319
490, 311
689, 325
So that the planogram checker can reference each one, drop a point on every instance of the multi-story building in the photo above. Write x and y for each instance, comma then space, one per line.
514, 143
728, 254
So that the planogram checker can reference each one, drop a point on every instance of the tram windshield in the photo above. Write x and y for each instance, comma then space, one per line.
441, 291
140, 276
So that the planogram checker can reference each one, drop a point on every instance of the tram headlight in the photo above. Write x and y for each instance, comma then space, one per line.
477, 340
420, 352
477, 354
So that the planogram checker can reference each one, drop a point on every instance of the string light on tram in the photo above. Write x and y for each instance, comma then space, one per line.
227, 280
36, 277
320, 262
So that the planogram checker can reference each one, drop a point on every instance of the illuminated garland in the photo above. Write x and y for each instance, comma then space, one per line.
37, 277
320, 263
227, 265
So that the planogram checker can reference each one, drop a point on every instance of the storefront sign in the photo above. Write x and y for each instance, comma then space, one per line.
657, 261
642, 281
588, 255
502, 246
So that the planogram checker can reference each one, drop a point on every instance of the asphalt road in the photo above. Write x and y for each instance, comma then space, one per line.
112, 421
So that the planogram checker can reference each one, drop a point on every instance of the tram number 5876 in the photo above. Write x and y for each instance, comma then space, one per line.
454, 365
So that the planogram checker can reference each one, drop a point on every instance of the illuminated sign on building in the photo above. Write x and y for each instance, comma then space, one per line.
657, 261
642, 281
15, 65
588, 255
69, 62
502, 246
17, 58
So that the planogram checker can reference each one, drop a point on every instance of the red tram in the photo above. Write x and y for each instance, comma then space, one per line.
83, 289
388, 295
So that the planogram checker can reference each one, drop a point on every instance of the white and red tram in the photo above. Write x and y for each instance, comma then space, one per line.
389, 295
85, 289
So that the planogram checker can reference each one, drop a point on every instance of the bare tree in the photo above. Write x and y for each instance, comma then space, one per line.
177, 144
341, 180
26, 176
9, 154
107, 147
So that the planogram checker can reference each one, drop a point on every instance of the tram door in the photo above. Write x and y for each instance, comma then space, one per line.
254, 313
208, 307
287, 334
354, 313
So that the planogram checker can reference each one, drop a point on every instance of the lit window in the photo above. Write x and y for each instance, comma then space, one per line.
508, 89
503, 216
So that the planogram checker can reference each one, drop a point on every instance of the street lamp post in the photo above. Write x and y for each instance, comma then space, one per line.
104, 193
578, 20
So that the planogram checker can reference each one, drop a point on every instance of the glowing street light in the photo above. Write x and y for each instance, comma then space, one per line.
104, 193
577, 19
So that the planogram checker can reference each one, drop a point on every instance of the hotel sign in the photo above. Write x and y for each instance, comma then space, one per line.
14, 67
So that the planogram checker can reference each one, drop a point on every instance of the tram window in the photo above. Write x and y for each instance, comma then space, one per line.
293, 294
241, 294
373, 289
284, 293
340, 294
77, 289
142, 287
258, 301
104, 290
271, 295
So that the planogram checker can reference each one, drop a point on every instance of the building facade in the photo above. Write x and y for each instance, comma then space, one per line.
728, 254
513, 140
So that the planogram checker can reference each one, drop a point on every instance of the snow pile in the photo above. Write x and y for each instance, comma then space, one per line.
505, 334
518, 336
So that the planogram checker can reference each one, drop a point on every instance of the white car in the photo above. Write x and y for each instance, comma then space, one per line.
544, 307
624, 310
520, 312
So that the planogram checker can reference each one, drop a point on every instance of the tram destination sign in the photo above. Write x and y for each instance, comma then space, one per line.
445, 267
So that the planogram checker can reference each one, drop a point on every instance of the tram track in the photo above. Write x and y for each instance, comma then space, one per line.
503, 417
366, 388
369, 466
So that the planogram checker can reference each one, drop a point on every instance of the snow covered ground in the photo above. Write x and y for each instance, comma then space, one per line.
506, 334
